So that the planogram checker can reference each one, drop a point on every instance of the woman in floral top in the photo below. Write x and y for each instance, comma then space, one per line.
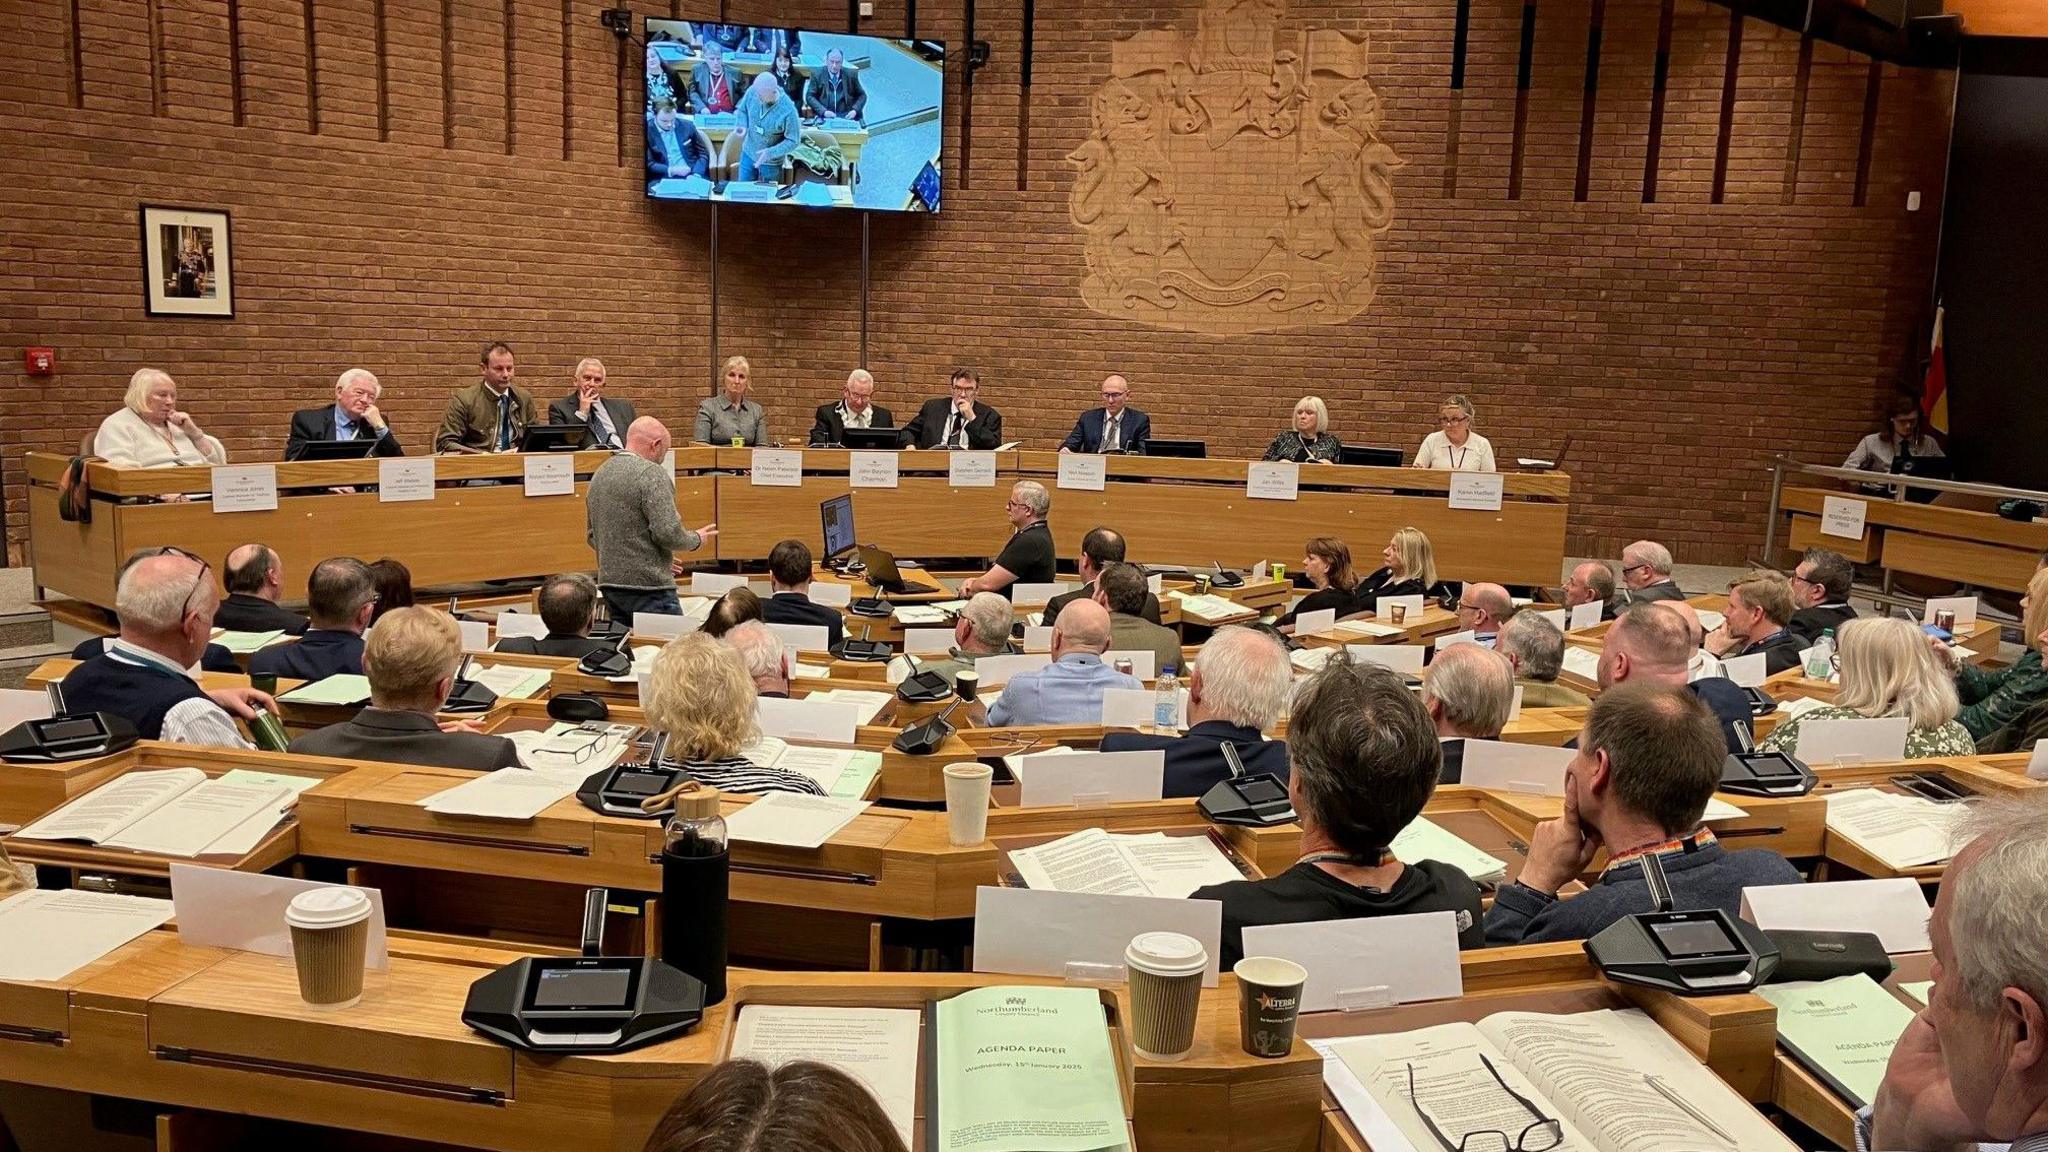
1888, 670
1993, 698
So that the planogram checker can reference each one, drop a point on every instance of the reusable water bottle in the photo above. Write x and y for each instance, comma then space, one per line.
695, 882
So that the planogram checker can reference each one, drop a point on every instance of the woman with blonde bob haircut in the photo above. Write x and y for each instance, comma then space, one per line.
700, 695
1410, 569
1888, 670
151, 431
1309, 438
733, 414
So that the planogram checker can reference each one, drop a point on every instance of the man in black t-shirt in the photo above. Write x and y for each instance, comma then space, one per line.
1365, 761
1028, 557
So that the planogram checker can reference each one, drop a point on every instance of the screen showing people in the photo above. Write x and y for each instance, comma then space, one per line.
836, 517
741, 112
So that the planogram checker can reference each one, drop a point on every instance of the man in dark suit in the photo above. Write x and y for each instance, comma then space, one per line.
411, 662
835, 93
1758, 620
856, 409
1114, 427
956, 421
567, 603
1100, 548
352, 416
1239, 688
1820, 594
341, 595
714, 87
255, 581
604, 418
789, 576
1467, 692
673, 149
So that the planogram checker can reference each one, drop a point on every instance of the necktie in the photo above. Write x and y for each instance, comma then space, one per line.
505, 420
953, 431
858, 419
1109, 442
607, 436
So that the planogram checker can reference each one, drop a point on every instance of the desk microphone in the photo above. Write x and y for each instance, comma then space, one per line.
863, 650
466, 695
924, 737
608, 663
1225, 579
922, 687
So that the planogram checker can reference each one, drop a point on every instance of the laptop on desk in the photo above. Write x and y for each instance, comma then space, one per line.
552, 438
881, 569
1535, 465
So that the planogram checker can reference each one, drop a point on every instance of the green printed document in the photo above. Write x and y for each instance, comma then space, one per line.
342, 689
1025, 1069
243, 643
1841, 1030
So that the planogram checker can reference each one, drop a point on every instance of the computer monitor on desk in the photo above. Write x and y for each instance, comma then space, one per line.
1370, 457
335, 450
835, 516
872, 439
1178, 449
552, 438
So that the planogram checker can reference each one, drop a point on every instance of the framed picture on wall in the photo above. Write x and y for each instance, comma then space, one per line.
187, 265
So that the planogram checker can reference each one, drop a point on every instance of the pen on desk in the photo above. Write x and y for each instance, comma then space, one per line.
1696, 1114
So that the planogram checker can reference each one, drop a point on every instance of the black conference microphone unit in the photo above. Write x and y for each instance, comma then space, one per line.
924, 737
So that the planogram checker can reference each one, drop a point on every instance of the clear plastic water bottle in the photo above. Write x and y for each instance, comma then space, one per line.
1166, 701
1820, 659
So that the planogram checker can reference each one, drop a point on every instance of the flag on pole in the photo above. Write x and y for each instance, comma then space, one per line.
1934, 392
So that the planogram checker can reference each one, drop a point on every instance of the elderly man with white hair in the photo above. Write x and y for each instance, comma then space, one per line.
354, 415
604, 418
151, 431
769, 661
1467, 692
1028, 557
1646, 573
768, 131
1068, 690
1238, 691
856, 409
981, 628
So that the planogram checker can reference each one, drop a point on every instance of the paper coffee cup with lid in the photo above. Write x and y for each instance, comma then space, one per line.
330, 930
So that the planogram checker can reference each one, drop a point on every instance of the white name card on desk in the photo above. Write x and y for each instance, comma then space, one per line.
1477, 491
1272, 480
996, 671
871, 469
1375, 961
1085, 471
511, 624
1853, 741
1094, 777
1468, 636
777, 467
401, 478
1155, 583
1036, 932
1582, 662
1404, 658
1039, 593
803, 637
1895, 909
1318, 623
1585, 616
928, 641
818, 721
1038, 637
714, 583
549, 474
971, 470
245, 488
1133, 708
1557, 617
831, 595
1965, 608
2037, 764
1509, 767
1842, 516
476, 635
1383, 608
220, 908
1142, 660
1746, 671
664, 624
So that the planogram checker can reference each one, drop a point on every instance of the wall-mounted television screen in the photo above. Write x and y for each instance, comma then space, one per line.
762, 115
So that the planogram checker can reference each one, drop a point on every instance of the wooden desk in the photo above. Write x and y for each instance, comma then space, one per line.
1984, 775
1806, 1099
1960, 544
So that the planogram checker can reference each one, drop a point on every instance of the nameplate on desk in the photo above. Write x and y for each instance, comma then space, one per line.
1965, 608
222, 908
803, 637
928, 641
1468, 636
245, 488
1401, 959
403, 478
1585, 616
511, 624
971, 470
1105, 777
1143, 660
1033, 932
667, 625
1509, 767
1087, 472
2037, 764
1039, 593
1383, 608
1515, 705
996, 671
1272, 480
550, 474
832, 595
1843, 516
818, 721
777, 467
1557, 617
1318, 623
475, 635
714, 584
1134, 708
668, 465
1477, 491
1403, 658
1854, 740
1155, 583
871, 469
1038, 638
1895, 909
1746, 671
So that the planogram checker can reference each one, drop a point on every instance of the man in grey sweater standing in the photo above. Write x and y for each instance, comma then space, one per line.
635, 528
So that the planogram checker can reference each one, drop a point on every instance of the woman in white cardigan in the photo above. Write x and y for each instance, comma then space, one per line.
1456, 448
150, 431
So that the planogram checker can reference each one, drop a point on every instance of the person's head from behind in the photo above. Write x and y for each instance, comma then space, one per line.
1533, 646
1759, 606
789, 566
411, 656
1650, 643
1644, 563
1822, 577
1099, 548
1483, 608
1468, 690
341, 595
1241, 677
647, 438
1365, 756
768, 660
394, 586
1327, 561
984, 623
1888, 670
254, 570
1649, 758
1409, 556
166, 602
1590, 582
700, 694
1083, 627
568, 602
801, 1106
735, 607
1121, 588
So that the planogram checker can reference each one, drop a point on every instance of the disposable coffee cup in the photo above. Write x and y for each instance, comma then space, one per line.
1945, 619
330, 938
1397, 613
1268, 1003
967, 685
1166, 990
967, 785
1201, 585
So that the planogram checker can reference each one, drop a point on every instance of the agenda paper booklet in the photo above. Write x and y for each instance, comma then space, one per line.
47, 934
1901, 831
877, 1047
1370, 628
1114, 864
1841, 1030
1311, 660
841, 772
1207, 607
1424, 840
1024, 1069
244, 643
1894, 909
1597, 1073
510, 681
169, 812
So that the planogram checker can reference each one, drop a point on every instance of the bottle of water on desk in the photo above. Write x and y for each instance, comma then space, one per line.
695, 880
1166, 702
1820, 659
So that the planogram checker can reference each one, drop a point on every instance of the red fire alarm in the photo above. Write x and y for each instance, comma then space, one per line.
40, 361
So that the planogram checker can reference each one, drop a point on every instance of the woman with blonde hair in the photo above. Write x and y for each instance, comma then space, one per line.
1888, 670
1454, 446
700, 695
1994, 698
732, 415
151, 431
1310, 438
1410, 569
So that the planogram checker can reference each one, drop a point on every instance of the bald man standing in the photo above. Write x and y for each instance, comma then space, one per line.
768, 130
635, 528
1068, 690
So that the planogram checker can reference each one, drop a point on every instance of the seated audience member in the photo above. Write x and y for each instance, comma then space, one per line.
1410, 570
956, 420
151, 431
216, 658
1068, 690
411, 658
856, 409
787, 78
732, 415
713, 87
1310, 438
340, 598
1121, 589
769, 661
1995, 697
166, 602
789, 601
746, 1106
1467, 691
1820, 594
1888, 670
1365, 762
1647, 763
700, 694
1100, 548
352, 416
1028, 556
1901, 436
491, 415
394, 586
1482, 609
981, 628
1646, 573
1114, 427
1535, 650
835, 93
255, 581
568, 606
1652, 644
604, 418
1969, 1072
1455, 447
1237, 692
1590, 581
734, 608
1327, 562
1759, 611
674, 150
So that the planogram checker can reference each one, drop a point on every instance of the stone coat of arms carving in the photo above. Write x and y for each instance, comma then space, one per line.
1234, 180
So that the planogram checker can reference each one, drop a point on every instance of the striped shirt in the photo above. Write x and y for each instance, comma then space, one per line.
739, 774
2033, 1142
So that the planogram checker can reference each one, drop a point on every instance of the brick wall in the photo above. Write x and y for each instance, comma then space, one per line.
1685, 340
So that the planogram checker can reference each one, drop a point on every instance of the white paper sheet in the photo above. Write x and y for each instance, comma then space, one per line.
1413, 957
1894, 908
1101, 777
714, 584
1133, 708
878, 1047
664, 625
1403, 658
792, 819
510, 681
1031, 933
803, 637
512, 624
1316, 623
1582, 662
928, 641
475, 635
47, 934
115, 805
1853, 741
996, 671
1584, 616
1510, 767
509, 793
1021, 594
868, 704
189, 825
831, 595
244, 488
819, 721
1746, 671
219, 908
1468, 636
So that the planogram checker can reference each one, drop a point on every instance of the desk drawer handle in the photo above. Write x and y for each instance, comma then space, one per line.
471, 841
29, 1035
795, 872
427, 1088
